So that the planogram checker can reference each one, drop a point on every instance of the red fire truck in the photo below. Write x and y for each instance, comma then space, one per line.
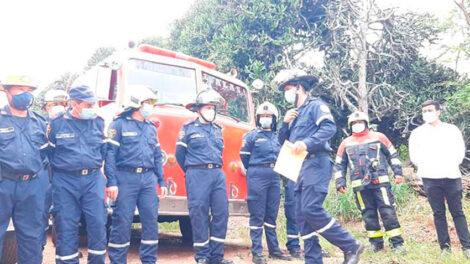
177, 78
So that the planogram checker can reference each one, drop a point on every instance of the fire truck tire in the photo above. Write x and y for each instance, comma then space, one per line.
186, 229
9, 249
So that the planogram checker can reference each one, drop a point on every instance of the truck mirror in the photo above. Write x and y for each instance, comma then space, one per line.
257, 84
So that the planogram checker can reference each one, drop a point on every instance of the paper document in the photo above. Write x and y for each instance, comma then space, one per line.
289, 164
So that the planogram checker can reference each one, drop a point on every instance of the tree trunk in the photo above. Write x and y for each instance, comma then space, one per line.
363, 102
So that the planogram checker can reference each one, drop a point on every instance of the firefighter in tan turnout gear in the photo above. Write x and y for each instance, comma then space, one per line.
367, 153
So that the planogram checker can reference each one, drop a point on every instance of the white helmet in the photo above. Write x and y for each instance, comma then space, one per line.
285, 77
207, 97
56, 96
358, 116
137, 94
267, 108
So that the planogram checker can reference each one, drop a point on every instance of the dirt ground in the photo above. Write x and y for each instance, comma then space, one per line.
172, 250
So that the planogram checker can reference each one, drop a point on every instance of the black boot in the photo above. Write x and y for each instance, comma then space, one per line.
399, 249
296, 254
376, 247
259, 258
352, 257
279, 255
325, 254
202, 261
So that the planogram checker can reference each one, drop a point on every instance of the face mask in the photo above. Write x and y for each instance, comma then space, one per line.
22, 101
266, 122
358, 128
208, 115
290, 96
146, 110
430, 117
56, 110
87, 113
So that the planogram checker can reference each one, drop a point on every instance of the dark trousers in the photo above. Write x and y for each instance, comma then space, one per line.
450, 190
291, 221
371, 202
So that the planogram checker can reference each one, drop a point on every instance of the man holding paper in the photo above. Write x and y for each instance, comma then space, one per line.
309, 126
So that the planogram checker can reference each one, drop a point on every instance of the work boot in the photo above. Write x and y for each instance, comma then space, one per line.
279, 255
296, 254
221, 261
445, 252
399, 249
203, 261
352, 257
466, 252
325, 254
258, 258
377, 247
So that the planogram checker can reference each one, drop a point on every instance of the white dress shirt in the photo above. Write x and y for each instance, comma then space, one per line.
437, 151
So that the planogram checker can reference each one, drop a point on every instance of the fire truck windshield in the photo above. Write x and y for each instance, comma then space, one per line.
175, 85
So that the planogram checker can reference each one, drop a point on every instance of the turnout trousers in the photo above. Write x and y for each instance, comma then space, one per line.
135, 189
373, 201
206, 191
264, 197
23, 202
73, 195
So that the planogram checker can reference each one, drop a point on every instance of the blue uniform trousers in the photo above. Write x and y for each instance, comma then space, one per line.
73, 195
264, 196
312, 219
291, 221
47, 212
206, 189
23, 202
135, 189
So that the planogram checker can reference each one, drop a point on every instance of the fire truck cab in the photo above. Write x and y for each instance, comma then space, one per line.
177, 78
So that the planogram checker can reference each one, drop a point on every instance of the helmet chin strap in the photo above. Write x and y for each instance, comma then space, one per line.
296, 101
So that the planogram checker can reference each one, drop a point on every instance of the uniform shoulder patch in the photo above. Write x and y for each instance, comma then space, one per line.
112, 132
181, 134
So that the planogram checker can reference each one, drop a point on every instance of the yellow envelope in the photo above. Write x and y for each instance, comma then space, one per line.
289, 164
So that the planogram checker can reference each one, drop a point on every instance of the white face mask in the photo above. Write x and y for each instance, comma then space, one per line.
430, 117
358, 128
208, 115
56, 110
266, 122
290, 96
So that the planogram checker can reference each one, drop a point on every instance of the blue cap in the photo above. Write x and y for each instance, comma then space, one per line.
82, 93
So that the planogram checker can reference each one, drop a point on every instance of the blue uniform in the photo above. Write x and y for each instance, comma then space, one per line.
314, 126
134, 164
23, 182
78, 186
47, 201
258, 154
199, 154
292, 230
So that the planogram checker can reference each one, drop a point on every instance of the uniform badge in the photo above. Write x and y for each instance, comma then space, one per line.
324, 109
181, 134
112, 133
7, 130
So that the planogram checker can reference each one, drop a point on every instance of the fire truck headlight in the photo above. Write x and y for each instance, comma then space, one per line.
171, 160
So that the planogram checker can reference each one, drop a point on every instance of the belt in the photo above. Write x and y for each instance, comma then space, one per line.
135, 170
267, 165
205, 166
18, 177
314, 155
83, 172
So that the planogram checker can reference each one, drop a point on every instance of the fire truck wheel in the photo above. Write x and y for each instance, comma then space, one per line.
186, 229
9, 249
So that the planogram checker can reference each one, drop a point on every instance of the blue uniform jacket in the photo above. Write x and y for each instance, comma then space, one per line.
259, 147
132, 143
76, 144
199, 144
23, 142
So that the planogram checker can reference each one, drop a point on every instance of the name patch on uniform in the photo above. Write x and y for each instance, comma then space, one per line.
69, 135
197, 136
261, 140
7, 130
129, 134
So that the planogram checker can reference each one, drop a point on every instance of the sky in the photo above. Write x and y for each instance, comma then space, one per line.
47, 38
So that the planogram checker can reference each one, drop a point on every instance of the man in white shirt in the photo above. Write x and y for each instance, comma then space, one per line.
437, 149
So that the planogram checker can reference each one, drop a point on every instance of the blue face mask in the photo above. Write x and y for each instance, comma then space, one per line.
87, 113
266, 122
146, 110
22, 101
